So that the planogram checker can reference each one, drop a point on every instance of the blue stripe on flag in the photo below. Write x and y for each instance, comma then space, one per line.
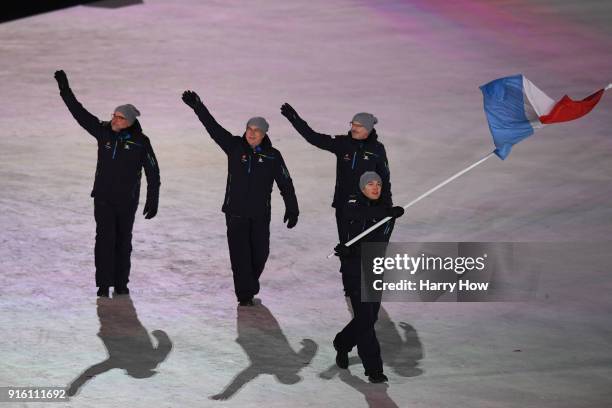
505, 109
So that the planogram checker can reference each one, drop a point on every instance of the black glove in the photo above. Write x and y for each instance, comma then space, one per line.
150, 208
62, 80
290, 113
292, 218
342, 250
191, 99
395, 212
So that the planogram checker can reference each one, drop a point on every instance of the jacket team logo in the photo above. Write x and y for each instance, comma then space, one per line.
347, 157
243, 158
107, 145
366, 155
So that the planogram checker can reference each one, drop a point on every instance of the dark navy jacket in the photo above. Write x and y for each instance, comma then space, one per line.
121, 157
250, 172
353, 158
358, 214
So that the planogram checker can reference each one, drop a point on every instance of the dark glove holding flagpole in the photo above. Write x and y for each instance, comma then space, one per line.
342, 250
395, 212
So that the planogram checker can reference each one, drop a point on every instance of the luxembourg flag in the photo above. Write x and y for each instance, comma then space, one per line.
515, 107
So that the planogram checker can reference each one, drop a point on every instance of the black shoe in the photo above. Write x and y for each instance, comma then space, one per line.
378, 378
342, 360
103, 291
248, 302
122, 290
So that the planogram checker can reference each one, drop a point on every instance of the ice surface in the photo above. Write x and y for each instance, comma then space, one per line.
417, 65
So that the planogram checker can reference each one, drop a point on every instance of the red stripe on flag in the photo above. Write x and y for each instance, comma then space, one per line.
567, 109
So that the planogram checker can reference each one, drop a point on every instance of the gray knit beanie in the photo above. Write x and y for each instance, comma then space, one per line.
366, 119
129, 111
259, 123
367, 177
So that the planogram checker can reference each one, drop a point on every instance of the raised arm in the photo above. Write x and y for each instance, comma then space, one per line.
221, 136
285, 185
87, 121
320, 140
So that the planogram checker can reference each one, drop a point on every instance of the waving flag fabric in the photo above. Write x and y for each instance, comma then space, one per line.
515, 107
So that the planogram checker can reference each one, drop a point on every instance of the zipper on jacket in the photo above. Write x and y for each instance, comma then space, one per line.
249, 170
354, 157
229, 188
115, 149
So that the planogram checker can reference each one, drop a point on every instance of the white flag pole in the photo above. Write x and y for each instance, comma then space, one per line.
608, 87
416, 200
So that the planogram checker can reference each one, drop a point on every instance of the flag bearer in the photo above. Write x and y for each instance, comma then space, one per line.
360, 212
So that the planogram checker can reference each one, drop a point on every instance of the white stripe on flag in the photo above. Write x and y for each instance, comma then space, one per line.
537, 103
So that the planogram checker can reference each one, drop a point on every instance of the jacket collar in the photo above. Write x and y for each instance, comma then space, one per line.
134, 129
264, 145
363, 200
372, 137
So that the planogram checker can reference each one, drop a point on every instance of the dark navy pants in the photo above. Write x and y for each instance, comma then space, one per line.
114, 223
249, 245
360, 330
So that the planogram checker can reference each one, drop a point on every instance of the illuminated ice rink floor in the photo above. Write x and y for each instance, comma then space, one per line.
417, 66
